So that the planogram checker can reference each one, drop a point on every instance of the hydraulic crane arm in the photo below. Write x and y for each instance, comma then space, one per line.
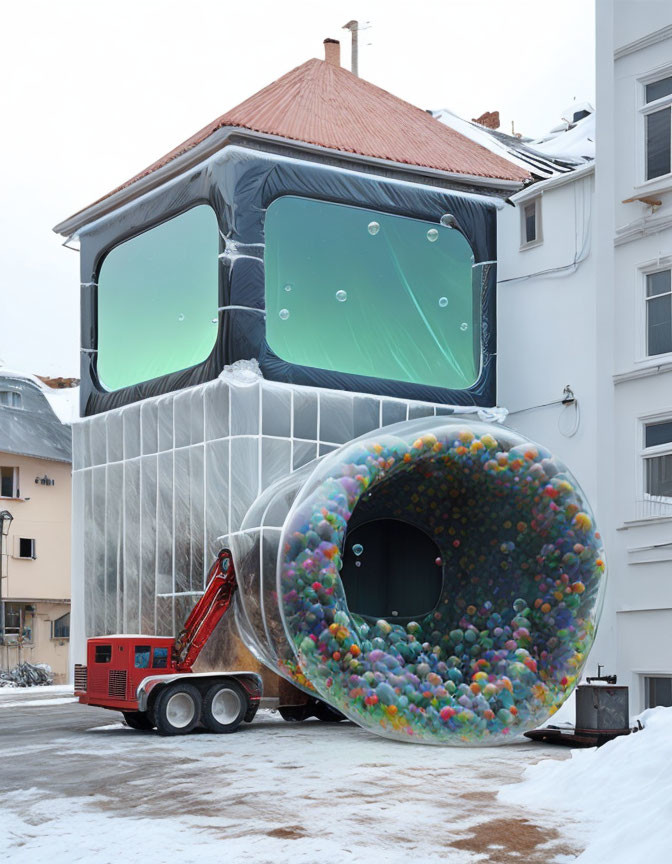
206, 613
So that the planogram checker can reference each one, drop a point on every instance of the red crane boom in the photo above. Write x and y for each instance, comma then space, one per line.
206, 613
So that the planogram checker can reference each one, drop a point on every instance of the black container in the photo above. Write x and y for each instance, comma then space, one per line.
602, 708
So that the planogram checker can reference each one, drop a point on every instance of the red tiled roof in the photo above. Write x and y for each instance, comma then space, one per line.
326, 105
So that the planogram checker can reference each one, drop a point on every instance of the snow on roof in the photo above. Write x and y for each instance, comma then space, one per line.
64, 402
32, 428
568, 145
569, 140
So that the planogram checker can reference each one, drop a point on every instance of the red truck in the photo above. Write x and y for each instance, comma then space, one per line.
150, 678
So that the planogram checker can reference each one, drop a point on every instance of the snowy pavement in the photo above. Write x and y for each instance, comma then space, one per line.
77, 785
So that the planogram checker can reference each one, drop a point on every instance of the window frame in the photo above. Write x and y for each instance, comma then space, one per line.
642, 356
645, 677
17, 549
538, 232
373, 212
645, 109
15, 483
54, 622
120, 240
16, 633
646, 453
17, 399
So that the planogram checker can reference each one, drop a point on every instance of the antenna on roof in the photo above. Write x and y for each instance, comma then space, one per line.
354, 28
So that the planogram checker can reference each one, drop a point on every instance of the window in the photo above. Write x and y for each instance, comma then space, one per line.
658, 313
158, 298
103, 654
658, 127
24, 547
160, 658
9, 482
368, 293
18, 622
142, 654
658, 692
531, 223
60, 628
10, 399
657, 456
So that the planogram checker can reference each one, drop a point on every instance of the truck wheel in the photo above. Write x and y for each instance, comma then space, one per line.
326, 713
137, 720
293, 713
224, 707
177, 709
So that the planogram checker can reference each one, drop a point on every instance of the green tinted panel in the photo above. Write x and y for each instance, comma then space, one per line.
353, 290
157, 300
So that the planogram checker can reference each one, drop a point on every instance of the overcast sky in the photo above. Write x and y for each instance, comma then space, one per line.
92, 92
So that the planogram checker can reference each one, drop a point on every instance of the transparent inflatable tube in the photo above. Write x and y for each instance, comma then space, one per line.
522, 580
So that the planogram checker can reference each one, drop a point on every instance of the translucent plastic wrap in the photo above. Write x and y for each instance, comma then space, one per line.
521, 582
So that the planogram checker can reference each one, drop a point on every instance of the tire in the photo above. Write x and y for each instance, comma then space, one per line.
326, 713
138, 720
294, 713
177, 709
224, 707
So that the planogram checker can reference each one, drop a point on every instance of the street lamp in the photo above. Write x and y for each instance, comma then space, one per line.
6, 519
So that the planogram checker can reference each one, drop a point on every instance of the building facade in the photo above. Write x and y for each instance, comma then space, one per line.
36, 492
634, 301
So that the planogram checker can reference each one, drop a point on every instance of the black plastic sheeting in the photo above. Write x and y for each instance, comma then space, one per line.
240, 184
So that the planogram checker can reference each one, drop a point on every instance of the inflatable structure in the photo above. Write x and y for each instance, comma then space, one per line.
293, 354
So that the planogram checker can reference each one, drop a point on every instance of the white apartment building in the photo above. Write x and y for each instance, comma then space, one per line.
585, 301
633, 249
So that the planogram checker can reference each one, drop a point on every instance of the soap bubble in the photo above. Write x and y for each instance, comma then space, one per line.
284, 314
438, 561
373, 228
358, 549
288, 287
358, 563
341, 296
180, 317
432, 235
464, 326
214, 321
443, 302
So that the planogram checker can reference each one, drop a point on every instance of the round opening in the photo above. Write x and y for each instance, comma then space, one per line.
390, 570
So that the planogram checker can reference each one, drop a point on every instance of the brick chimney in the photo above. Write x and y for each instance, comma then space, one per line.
332, 51
490, 120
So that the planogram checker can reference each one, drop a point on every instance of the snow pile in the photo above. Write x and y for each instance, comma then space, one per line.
620, 794
27, 675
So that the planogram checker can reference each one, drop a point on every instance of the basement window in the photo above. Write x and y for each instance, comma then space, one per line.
19, 622
658, 691
368, 293
158, 300
60, 627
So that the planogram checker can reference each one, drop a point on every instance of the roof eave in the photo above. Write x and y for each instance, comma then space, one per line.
206, 148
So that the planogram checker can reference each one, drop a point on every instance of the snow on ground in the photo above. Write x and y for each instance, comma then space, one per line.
40, 691
79, 786
619, 794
